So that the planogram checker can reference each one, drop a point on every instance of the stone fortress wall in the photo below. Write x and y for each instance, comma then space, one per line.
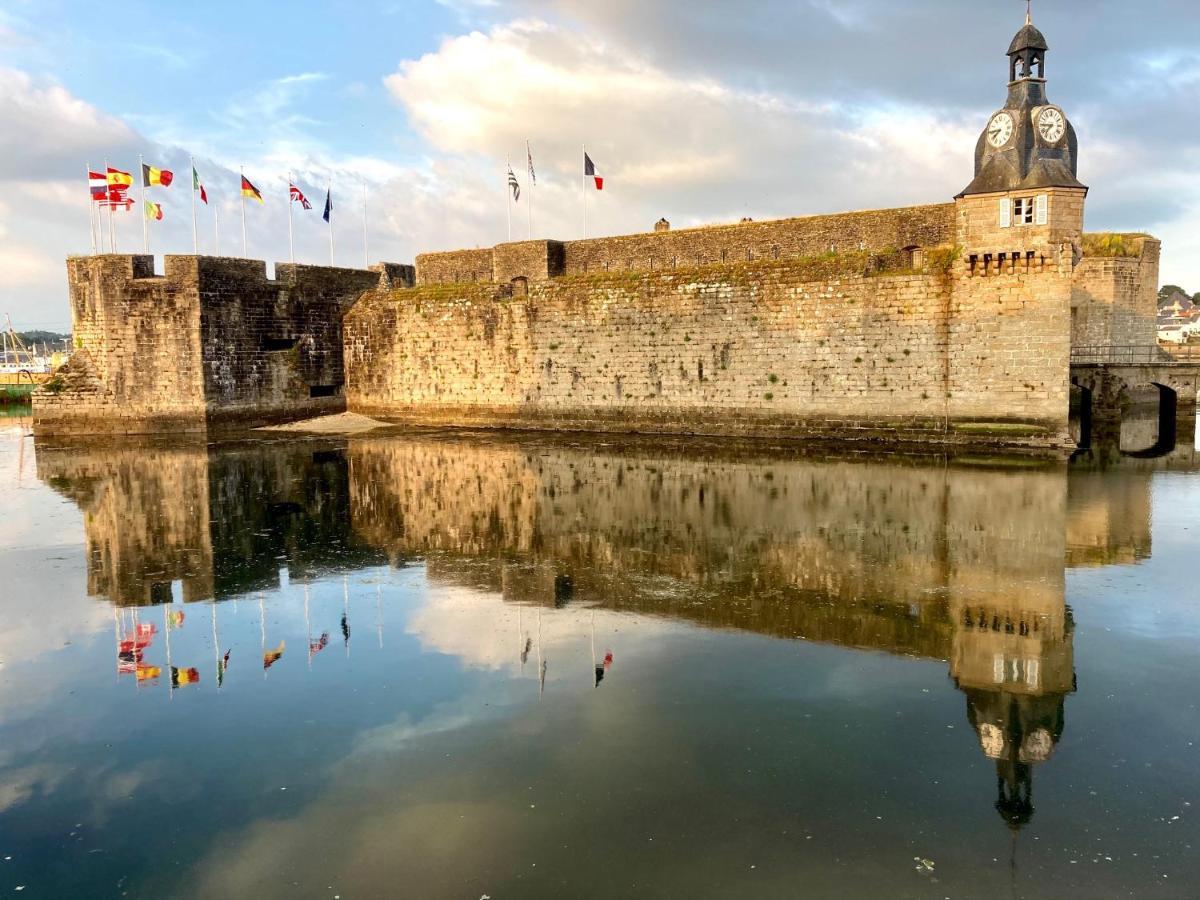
949, 324
889, 231
1114, 299
930, 324
211, 342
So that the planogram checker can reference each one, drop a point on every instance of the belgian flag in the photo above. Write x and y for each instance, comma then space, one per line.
249, 191
152, 177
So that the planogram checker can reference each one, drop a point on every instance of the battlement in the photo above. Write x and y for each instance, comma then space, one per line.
211, 341
885, 232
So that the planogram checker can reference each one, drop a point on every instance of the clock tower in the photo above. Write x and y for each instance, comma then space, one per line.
1029, 145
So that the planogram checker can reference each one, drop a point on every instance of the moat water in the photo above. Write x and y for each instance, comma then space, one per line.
471, 665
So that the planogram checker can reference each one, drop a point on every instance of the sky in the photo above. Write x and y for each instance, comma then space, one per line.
700, 111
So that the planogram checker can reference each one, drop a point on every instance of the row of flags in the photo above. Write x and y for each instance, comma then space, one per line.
591, 177
111, 189
589, 173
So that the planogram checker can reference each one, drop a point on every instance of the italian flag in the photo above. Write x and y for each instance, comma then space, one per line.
197, 185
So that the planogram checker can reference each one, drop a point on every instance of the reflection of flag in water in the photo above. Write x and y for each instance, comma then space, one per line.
222, 668
319, 644
271, 657
602, 670
180, 677
345, 629
175, 619
526, 649
138, 640
147, 673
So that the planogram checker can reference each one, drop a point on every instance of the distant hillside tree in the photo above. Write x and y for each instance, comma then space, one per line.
53, 338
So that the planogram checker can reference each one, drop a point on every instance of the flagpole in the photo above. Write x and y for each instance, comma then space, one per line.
242, 194
91, 216
366, 253
145, 221
216, 232
291, 243
195, 234
329, 198
583, 185
112, 231
508, 206
532, 183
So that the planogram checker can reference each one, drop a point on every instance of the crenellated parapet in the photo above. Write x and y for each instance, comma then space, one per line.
212, 341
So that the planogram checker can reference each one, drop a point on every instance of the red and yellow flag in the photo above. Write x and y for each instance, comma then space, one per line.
118, 179
152, 176
249, 191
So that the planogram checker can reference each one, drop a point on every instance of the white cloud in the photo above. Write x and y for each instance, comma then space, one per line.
676, 132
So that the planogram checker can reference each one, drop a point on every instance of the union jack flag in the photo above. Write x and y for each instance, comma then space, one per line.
295, 194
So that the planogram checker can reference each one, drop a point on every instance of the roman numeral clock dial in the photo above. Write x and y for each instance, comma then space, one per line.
1000, 129
1051, 125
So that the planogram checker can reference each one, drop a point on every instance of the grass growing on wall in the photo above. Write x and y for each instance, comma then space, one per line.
1114, 244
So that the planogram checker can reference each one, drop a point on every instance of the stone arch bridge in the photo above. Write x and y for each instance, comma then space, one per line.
1106, 379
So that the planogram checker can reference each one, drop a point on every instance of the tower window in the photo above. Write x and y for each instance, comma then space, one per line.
1023, 211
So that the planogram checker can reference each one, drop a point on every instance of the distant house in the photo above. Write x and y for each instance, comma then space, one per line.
1178, 306
1173, 334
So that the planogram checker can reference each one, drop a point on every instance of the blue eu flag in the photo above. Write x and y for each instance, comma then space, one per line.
328, 204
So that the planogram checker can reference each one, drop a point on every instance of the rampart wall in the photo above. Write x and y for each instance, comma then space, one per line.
1114, 299
809, 347
887, 233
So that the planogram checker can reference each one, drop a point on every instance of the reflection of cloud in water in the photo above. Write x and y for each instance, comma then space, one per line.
483, 632
401, 733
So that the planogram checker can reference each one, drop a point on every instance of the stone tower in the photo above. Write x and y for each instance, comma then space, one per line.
1029, 144
1025, 195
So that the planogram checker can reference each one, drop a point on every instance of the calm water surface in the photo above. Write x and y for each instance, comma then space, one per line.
458, 666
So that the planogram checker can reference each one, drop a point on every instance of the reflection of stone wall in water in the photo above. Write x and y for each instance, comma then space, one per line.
759, 543
957, 563
145, 518
223, 521
1108, 519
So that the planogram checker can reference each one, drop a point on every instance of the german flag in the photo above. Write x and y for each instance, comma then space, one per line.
118, 179
249, 191
152, 176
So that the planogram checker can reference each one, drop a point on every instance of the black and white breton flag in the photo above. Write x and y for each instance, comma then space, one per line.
514, 185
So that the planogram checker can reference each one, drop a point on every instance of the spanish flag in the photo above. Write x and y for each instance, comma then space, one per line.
249, 191
155, 213
152, 176
118, 179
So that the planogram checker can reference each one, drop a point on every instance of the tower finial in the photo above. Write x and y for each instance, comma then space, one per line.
1028, 12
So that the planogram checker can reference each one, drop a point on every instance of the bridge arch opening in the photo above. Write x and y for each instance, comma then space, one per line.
1080, 420
1149, 423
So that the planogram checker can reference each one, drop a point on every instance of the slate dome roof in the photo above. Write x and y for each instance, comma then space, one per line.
1028, 38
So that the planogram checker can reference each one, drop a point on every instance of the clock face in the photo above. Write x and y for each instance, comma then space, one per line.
1000, 129
1051, 125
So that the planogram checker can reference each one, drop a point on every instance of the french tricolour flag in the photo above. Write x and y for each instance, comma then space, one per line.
589, 171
